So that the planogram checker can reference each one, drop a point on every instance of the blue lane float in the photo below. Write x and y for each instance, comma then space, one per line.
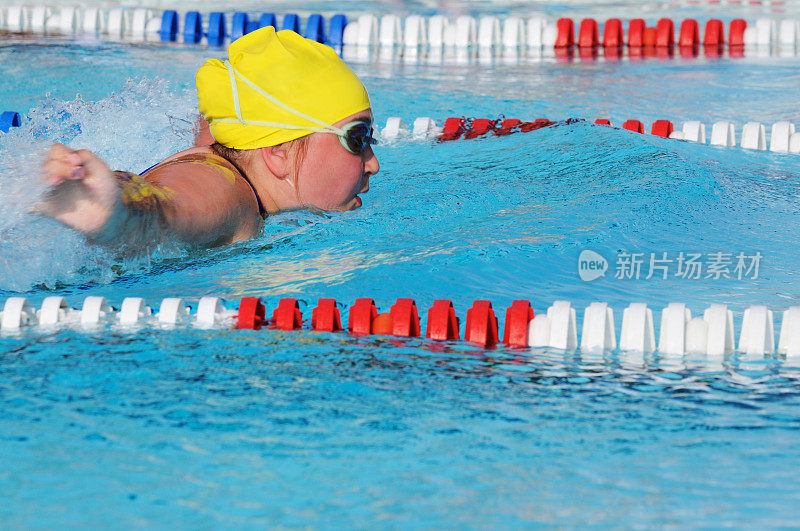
239, 26
252, 25
169, 26
9, 119
315, 28
216, 29
268, 19
291, 22
336, 34
192, 27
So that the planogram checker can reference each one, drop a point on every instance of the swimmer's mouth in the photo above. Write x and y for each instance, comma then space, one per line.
364, 189
357, 199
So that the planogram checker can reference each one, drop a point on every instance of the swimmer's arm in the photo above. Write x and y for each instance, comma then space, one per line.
191, 203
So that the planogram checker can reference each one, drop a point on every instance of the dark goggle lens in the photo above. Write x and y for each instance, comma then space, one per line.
359, 137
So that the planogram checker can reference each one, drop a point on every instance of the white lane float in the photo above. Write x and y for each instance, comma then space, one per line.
17, 314
754, 136
391, 31
758, 335
54, 312
637, 329
556, 329
95, 311
134, 312
598, 328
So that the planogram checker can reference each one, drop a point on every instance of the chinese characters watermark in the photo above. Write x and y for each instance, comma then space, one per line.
663, 265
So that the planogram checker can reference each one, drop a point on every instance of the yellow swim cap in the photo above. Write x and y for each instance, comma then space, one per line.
276, 87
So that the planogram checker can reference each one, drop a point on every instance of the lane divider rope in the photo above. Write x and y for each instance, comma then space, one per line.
712, 333
537, 32
784, 136
486, 32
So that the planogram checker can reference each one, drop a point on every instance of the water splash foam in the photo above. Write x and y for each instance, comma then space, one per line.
132, 129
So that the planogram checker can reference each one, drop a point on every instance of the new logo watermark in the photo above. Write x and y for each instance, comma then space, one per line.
663, 265
591, 265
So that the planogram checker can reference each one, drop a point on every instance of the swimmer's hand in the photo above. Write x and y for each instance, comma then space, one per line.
84, 193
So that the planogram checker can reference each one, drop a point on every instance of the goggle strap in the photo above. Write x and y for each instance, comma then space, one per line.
233, 74
271, 124
234, 91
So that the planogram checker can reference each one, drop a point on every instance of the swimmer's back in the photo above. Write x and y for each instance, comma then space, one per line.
210, 199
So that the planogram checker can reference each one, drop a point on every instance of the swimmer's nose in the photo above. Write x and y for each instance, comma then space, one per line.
371, 165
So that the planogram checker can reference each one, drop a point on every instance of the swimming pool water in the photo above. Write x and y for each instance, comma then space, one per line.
219, 428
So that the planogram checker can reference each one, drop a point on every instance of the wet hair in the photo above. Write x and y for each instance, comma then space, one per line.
233, 155
300, 145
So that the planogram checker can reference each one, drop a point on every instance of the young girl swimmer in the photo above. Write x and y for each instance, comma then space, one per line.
292, 128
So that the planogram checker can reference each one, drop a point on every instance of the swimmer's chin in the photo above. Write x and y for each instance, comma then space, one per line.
352, 204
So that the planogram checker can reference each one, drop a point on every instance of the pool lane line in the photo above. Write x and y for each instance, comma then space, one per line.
784, 136
711, 334
487, 32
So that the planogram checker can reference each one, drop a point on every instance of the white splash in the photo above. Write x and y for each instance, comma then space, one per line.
131, 130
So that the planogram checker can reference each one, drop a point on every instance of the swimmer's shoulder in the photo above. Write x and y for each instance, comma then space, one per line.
201, 171
196, 158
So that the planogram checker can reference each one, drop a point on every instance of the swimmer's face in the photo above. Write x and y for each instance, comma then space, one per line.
330, 177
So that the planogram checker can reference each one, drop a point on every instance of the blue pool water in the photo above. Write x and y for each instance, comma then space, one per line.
219, 428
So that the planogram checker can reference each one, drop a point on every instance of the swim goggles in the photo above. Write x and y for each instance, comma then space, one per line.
355, 136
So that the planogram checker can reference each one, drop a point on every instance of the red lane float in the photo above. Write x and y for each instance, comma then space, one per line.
736, 35
633, 125
405, 318
715, 33
587, 35
442, 321
538, 123
612, 33
565, 36
362, 313
507, 126
252, 314
689, 34
453, 129
326, 317
479, 127
382, 324
287, 316
649, 37
636, 33
665, 33
518, 317
662, 128
481, 327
